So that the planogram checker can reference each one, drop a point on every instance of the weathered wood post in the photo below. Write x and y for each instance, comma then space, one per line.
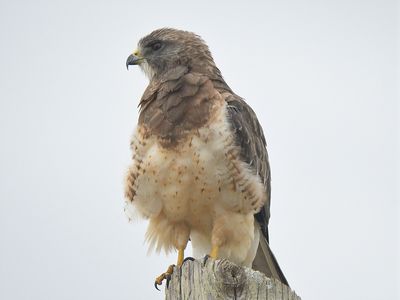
222, 279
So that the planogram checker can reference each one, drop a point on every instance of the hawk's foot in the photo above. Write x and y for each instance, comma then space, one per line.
166, 275
213, 255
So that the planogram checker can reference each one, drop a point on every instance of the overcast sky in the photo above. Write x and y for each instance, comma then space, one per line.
321, 76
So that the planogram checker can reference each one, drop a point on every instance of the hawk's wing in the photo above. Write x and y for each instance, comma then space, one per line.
250, 138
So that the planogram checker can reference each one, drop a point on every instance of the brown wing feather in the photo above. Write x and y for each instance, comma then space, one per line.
250, 138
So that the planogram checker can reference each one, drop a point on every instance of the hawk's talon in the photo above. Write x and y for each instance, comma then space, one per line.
168, 278
188, 258
166, 275
205, 259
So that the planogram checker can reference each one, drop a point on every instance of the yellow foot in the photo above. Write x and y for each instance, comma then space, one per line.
166, 275
213, 255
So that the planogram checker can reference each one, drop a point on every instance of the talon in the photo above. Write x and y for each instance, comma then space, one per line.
168, 278
188, 258
205, 259
166, 275
159, 281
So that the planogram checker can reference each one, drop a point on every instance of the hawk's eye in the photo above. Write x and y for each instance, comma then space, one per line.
156, 46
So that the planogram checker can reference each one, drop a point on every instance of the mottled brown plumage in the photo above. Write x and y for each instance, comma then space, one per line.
177, 107
200, 165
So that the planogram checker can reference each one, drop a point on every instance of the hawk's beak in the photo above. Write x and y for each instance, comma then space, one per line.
134, 59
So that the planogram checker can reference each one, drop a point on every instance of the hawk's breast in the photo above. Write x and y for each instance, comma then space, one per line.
198, 178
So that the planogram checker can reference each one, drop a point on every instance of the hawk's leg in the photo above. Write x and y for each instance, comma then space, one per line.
214, 251
218, 237
232, 236
180, 238
181, 256
213, 254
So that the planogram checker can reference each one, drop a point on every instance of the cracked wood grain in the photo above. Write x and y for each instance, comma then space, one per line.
223, 280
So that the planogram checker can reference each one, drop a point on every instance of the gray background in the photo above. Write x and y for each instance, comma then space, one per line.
321, 76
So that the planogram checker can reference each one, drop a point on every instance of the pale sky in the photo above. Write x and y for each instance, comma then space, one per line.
321, 76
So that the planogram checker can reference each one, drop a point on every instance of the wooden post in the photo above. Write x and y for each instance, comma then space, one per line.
222, 279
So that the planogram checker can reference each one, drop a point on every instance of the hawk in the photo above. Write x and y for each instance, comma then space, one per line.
200, 169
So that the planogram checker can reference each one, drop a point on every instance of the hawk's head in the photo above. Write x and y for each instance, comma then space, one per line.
165, 49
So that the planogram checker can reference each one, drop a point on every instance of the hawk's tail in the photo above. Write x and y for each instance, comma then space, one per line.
266, 262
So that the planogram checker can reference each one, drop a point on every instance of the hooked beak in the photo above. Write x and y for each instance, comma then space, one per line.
134, 59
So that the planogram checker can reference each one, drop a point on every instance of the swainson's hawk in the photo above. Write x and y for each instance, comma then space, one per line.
200, 166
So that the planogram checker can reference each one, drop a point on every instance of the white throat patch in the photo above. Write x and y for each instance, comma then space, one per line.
147, 70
